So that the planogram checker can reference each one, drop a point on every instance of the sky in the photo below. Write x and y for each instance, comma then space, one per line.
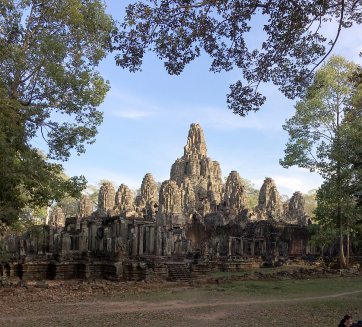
147, 116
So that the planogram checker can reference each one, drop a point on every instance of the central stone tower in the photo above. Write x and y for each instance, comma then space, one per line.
198, 177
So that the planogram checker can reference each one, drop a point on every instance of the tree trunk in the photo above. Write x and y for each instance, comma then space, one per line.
342, 258
323, 251
348, 248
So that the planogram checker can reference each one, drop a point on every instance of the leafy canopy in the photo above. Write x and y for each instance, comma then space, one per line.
317, 123
49, 87
325, 136
49, 51
178, 31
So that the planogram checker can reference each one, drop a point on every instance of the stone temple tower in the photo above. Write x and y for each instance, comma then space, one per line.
204, 174
270, 202
106, 198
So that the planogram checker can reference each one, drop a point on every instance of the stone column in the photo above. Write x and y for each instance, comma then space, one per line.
152, 232
77, 225
135, 240
140, 239
263, 251
118, 228
230, 245
83, 238
252, 248
100, 243
51, 239
92, 237
159, 241
65, 243
241, 246
169, 243
146, 236
113, 229
109, 245
123, 230
276, 248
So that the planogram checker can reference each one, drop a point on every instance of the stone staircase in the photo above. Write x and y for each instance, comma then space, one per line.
200, 270
178, 271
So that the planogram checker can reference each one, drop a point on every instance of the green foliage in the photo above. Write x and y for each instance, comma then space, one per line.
310, 203
323, 236
351, 146
324, 136
48, 87
180, 31
50, 51
317, 121
252, 193
92, 191
70, 206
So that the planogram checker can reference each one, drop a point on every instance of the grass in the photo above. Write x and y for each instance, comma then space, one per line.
295, 288
240, 303
281, 289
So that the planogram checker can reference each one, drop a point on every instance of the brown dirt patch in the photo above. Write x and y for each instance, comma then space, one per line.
104, 303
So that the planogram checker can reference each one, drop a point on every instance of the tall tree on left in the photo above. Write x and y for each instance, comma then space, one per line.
49, 88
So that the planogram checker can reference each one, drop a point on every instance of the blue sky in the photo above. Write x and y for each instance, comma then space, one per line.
147, 117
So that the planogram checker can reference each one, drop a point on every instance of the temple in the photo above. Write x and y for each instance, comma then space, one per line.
192, 224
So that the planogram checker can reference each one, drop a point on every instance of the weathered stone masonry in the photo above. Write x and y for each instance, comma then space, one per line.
194, 223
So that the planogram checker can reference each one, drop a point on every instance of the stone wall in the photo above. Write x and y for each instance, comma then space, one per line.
192, 214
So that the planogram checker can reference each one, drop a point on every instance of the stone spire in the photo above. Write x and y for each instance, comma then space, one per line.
235, 195
147, 201
270, 202
170, 198
57, 217
106, 198
124, 201
195, 146
170, 211
149, 190
296, 213
188, 196
85, 206
194, 169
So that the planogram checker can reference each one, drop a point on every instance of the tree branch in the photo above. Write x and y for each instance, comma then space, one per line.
334, 42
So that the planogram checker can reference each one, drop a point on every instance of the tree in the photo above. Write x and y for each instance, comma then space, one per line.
323, 235
316, 140
337, 210
310, 203
351, 142
49, 87
252, 192
180, 31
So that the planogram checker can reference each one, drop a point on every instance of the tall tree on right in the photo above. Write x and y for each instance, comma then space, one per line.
319, 133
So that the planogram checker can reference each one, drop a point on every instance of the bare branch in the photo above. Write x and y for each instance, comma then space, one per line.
335, 40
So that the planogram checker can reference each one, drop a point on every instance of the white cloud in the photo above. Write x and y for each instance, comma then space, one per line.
94, 175
222, 119
291, 180
292, 183
218, 117
129, 106
349, 43
131, 113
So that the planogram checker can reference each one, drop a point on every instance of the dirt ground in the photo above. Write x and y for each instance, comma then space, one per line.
211, 303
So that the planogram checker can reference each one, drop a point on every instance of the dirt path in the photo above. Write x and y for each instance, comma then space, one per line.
101, 307
311, 302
